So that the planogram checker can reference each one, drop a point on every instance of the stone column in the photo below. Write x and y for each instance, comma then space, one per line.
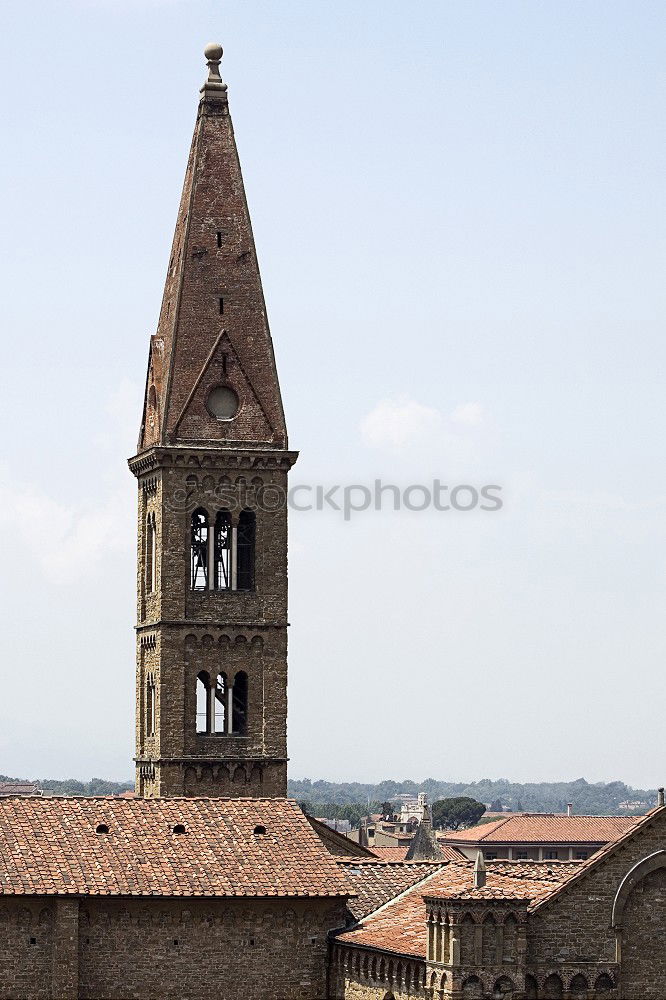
65, 960
454, 938
431, 952
210, 704
211, 553
234, 556
229, 710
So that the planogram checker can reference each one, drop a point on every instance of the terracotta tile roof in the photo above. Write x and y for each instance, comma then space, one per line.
528, 880
376, 882
50, 846
638, 823
449, 853
399, 926
545, 828
390, 853
337, 843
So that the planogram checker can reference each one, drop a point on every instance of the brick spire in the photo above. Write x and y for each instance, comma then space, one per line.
211, 373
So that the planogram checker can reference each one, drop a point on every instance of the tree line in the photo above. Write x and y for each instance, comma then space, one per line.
593, 799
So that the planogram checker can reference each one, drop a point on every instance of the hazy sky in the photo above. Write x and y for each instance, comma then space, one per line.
459, 214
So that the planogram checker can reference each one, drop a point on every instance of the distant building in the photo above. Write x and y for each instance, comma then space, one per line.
539, 837
413, 808
19, 788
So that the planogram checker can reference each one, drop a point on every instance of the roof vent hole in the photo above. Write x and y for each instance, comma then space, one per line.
101, 828
259, 830
179, 828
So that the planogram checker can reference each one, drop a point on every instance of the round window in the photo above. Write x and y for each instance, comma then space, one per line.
222, 402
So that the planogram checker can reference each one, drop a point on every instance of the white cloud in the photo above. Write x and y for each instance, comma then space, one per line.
468, 414
397, 423
65, 544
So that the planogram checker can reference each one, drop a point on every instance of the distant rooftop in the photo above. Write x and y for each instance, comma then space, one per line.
544, 828
19, 788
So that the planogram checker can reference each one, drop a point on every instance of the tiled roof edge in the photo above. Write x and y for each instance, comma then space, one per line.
393, 899
376, 947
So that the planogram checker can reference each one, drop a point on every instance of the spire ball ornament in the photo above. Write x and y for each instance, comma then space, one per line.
213, 53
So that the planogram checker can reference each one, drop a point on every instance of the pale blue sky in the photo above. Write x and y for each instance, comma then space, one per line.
456, 205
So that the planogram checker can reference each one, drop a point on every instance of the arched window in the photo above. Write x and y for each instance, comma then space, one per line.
504, 987
245, 544
531, 988
578, 985
472, 988
221, 706
199, 550
552, 988
203, 714
239, 704
150, 705
603, 985
151, 555
223, 550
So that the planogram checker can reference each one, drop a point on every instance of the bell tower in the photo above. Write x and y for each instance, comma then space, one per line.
211, 467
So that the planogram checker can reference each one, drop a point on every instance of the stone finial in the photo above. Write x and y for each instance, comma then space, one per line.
479, 871
660, 796
213, 85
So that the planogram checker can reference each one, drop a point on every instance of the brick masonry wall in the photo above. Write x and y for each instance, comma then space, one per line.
362, 974
231, 949
26, 948
573, 934
644, 938
182, 632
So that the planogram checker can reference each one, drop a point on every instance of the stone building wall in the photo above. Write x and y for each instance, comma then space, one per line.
182, 632
26, 948
128, 949
644, 938
573, 935
360, 974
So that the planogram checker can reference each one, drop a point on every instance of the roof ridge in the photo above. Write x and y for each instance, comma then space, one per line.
393, 899
161, 800
383, 862
499, 822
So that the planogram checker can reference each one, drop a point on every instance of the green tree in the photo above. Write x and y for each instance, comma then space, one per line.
387, 810
451, 814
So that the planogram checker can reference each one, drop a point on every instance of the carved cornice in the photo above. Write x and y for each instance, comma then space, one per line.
191, 623
240, 458
211, 761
